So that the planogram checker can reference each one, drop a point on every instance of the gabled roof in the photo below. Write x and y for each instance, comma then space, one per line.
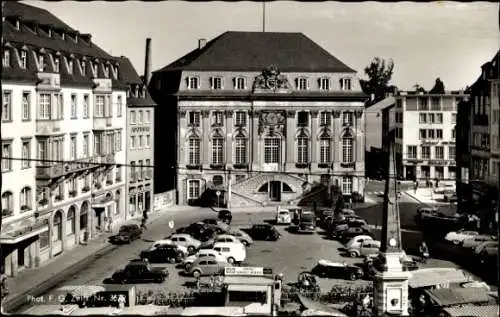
253, 51
129, 76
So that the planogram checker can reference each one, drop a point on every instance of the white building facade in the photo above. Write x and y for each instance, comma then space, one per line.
63, 128
425, 135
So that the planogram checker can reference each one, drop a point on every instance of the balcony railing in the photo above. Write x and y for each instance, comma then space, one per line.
48, 126
102, 123
45, 172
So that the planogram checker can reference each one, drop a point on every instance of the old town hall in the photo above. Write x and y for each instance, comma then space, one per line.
270, 113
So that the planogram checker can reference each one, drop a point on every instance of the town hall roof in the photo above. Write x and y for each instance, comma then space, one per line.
254, 51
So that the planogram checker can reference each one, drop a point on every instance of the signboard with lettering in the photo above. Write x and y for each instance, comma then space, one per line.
246, 271
141, 129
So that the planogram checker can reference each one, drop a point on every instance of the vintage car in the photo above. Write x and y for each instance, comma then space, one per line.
457, 237
187, 241
329, 269
367, 247
264, 232
283, 217
225, 216
188, 262
241, 235
472, 243
127, 234
206, 265
163, 253
349, 233
138, 271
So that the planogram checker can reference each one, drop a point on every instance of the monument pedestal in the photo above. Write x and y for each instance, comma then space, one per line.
391, 289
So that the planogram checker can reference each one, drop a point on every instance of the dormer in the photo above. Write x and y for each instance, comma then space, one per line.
63, 35
83, 66
17, 24
41, 60
95, 67
6, 58
106, 69
23, 57
86, 37
57, 62
76, 37
128, 92
136, 91
49, 32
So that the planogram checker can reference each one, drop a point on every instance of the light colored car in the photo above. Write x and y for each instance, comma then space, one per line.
188, 262
457, 237
283, 217
168, 242
367, 248
487, 248
206, 266
186, 240
472, 243
242, 236
227, 238
357, 240
234, 252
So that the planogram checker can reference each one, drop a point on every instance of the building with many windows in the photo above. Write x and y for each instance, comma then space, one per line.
140, 146
268, 113
480, 181
425, 135
63, 128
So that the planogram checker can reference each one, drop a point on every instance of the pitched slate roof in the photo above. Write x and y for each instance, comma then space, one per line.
253, 51
34, 14
129, 75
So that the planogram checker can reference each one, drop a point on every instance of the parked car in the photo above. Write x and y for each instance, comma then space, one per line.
242, 236
486, 249
187, 241
264, 232
307, 222
457, 237
204, 266
168, 242
367, 247
163, 253
211, 221
127, 234
351, 223
140, 272
188, 262
349, 233
357, 240
425, 211
234, 252
220, 238
472, 243
329, 269
283, 217
225, 216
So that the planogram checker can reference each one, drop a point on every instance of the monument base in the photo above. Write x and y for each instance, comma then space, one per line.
390, 288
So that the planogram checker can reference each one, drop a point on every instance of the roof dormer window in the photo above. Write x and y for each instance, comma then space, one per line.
216, 83
128, 93
116, 72
83, 67
23, 58
49, 32
70, 65
239, 83
76, 38
6, 57
56, 64
302, 83
63, 35
41, 62
18, 25
136, 91
106, 71
193, 82
345, 84
94, 68
324, 83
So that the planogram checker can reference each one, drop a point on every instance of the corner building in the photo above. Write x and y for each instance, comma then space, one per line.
272, 112
63, 125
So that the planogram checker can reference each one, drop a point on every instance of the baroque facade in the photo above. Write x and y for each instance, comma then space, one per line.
63, 128
268, 126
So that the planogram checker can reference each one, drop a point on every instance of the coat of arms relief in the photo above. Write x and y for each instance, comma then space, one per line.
271, 79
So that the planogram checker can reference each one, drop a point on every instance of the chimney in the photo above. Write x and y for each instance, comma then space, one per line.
202, 43
147, 62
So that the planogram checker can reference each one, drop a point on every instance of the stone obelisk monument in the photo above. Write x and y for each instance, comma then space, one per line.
390, 294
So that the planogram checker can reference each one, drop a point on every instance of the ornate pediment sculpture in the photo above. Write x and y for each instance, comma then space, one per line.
271, 79
272, 122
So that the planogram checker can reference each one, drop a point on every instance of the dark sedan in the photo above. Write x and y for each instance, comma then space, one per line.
225, 216
165, 253
264, 232
328, 269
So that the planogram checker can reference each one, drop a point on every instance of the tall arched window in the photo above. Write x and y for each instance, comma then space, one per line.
70, 221
7, 204
57, 236
217, 150
302, 148
84, 215
324, 149
194, 150
240, 150
25, 199
347, 148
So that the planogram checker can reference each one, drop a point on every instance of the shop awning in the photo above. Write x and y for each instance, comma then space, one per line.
472, 311
458, 296
27, 229
437, 276
318, 309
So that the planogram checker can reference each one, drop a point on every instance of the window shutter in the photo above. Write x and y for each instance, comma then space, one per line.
187, 82
319, 83
235, 82
296, 83
307, 83
211, 82
341, 84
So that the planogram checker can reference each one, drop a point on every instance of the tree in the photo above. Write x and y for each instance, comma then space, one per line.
379, 74
438, 87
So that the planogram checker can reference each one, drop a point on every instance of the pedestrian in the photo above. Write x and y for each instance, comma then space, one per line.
121, 301
198, 283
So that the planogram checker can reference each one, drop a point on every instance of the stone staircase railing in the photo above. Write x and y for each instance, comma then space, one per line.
249, 200
251, 182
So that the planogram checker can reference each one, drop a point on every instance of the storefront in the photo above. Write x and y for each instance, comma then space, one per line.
20, 243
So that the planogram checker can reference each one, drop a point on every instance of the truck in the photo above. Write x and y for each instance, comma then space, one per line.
140, 271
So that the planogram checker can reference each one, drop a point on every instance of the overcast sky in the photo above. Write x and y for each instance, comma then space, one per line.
429, 40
